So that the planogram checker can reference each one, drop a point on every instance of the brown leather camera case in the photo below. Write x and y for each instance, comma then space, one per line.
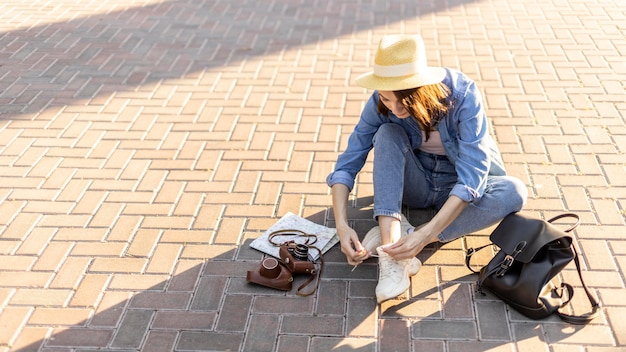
271, 273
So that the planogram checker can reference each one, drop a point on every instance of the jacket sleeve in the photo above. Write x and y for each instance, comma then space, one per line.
473, 161
360, 143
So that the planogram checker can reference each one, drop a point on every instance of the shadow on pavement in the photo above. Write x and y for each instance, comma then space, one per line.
210, 306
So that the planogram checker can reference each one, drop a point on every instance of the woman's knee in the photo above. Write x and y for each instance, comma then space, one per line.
517, 193
390, 132
511, 191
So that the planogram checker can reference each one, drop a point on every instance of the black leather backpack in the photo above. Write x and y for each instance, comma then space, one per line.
532, 252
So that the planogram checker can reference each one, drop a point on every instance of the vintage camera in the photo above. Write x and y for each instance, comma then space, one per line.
278, 273
298, 262
299, 252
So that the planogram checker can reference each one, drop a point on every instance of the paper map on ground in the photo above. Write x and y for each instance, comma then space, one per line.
326, 237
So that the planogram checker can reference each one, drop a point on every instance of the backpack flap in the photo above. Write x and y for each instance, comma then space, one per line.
521, 237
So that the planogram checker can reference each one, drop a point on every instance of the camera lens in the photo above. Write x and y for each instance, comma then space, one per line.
301, 252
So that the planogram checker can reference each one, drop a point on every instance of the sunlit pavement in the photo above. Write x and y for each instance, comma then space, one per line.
145, 144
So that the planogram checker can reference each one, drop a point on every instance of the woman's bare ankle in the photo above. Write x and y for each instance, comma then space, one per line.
390, 230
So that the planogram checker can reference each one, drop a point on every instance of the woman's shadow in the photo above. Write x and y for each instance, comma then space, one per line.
211, 306
442, 302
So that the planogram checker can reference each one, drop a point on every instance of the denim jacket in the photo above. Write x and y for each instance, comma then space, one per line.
464, 133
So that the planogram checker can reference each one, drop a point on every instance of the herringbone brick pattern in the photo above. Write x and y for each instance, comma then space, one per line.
144, 144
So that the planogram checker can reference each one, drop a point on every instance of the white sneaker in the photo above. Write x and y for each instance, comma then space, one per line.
371, 241
414, 266
405, 225
393, 277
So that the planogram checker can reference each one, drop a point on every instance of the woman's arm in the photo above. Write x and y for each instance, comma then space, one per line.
360, 143
350, 244
341, 180
409, 246
472, 160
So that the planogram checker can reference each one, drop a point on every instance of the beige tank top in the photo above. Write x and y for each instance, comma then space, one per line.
433, 145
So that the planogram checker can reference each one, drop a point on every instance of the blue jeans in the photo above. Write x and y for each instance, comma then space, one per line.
422, 180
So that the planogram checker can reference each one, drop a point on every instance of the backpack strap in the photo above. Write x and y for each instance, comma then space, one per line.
595, 306
468, 257
567, 215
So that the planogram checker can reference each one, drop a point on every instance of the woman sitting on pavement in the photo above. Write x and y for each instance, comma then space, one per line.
432, 148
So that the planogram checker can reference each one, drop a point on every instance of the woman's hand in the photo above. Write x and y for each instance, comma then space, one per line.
350, 244
410, 245
351, 247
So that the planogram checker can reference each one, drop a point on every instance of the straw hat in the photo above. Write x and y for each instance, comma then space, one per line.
400, 63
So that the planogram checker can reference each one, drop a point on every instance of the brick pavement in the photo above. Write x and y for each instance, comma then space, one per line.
144, 144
